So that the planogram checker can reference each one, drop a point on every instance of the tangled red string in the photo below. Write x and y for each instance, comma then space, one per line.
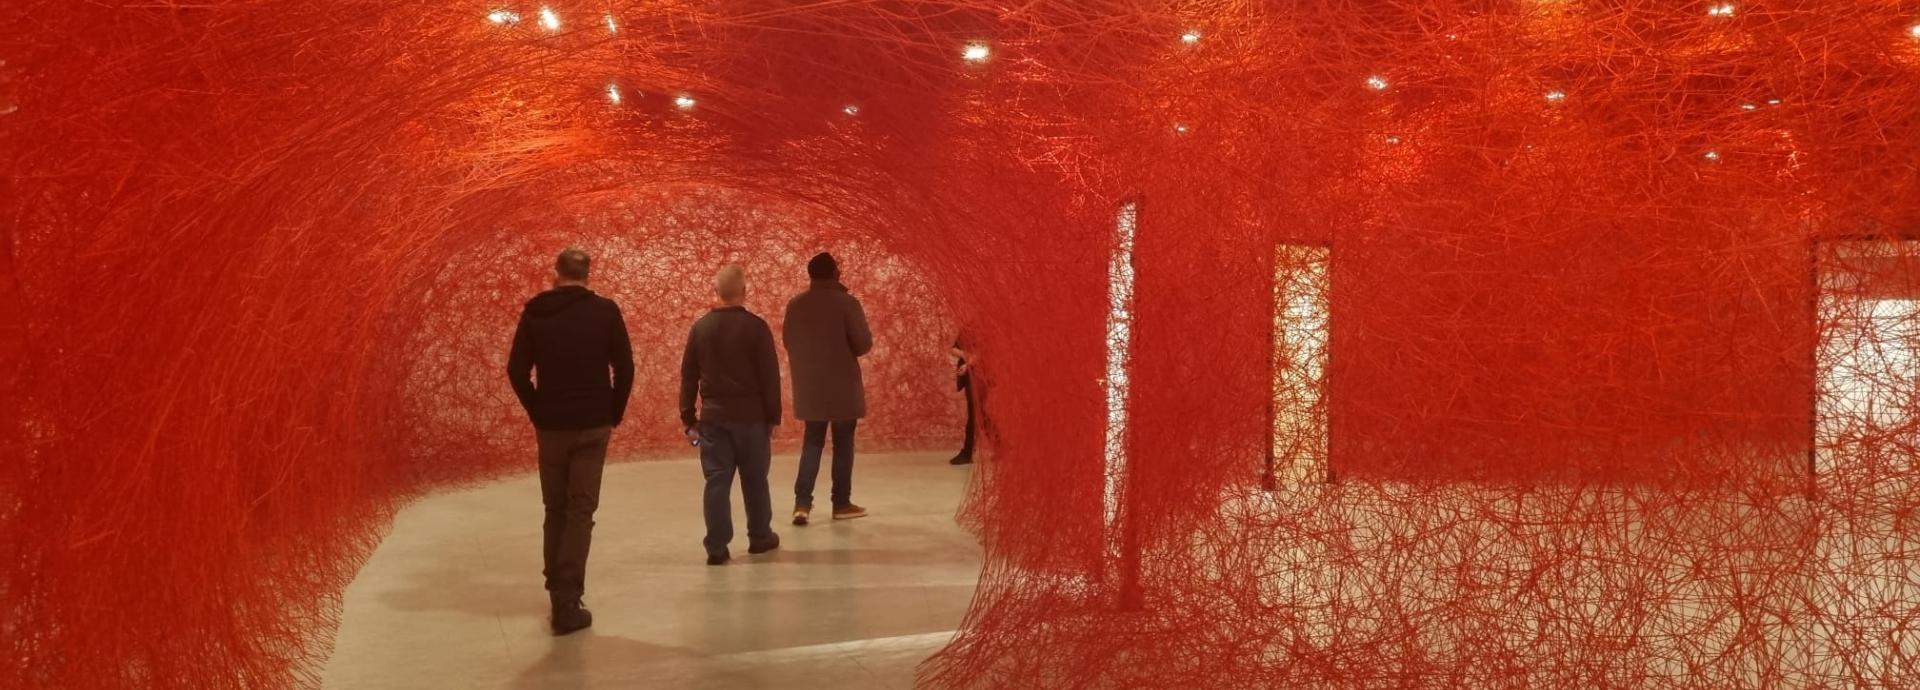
1530, 343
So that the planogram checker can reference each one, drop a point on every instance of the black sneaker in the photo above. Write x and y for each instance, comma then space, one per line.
763, 547
719, 558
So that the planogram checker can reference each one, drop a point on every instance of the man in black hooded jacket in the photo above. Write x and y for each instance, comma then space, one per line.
574, 339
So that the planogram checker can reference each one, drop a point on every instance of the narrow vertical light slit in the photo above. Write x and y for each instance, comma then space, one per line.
1119, 346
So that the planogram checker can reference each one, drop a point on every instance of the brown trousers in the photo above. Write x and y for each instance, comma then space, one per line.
570, 465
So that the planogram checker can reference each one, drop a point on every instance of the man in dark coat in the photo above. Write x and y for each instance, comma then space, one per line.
826, 334
730, 366
578, 342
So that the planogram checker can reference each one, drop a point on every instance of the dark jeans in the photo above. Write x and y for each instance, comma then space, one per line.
570, 465
811, 444
725, 449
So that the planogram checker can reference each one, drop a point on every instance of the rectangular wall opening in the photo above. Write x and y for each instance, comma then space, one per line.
1298, 412
1868, 357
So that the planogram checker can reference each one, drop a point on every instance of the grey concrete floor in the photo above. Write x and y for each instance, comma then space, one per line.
452, 597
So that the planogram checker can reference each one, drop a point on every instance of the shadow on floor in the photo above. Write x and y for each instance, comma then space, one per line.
456, 590
588, 660
853, 557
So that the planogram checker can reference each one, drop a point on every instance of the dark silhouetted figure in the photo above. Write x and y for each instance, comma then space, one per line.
963, 382
577, 343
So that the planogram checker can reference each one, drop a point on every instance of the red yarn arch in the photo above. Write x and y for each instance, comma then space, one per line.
1617, 301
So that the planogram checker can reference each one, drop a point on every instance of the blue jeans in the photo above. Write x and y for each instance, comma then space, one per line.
726, 449
811, 444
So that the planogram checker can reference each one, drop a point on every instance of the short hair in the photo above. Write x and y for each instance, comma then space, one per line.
573, 264
823, 267
731, 282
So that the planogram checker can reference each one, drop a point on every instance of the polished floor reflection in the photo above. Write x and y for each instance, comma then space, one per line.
452, 597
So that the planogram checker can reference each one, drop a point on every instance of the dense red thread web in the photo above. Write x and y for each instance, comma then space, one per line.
1615, 390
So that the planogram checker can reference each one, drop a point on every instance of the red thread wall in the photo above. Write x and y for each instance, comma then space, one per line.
1594, 317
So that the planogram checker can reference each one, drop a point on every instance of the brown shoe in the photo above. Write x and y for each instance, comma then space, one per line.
801, 513
848, 512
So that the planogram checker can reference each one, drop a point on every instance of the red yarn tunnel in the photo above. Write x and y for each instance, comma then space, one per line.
1343, 345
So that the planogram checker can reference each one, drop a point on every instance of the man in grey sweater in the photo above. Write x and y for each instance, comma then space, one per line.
730, 366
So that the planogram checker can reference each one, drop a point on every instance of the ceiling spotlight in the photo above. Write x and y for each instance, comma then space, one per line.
976, 52
851, 110
1749, 106
1393, 140
503, 17
1711, 155
1556, 96
1914, 31
1191, 37
613, 93
612, 26
1180, 128
1773, 101
683, 102
549, 19
1377, 83
1724, 9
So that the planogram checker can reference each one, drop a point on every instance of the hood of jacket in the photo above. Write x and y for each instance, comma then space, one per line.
557, 300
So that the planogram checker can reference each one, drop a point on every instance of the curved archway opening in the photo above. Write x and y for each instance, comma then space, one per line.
654, 254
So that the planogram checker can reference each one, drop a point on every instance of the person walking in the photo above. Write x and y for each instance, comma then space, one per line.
577, 341
825, 334
730, 366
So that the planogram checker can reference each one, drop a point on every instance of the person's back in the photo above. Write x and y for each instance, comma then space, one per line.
577, 343
729, 404
573, 338
737, 375
825, 334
